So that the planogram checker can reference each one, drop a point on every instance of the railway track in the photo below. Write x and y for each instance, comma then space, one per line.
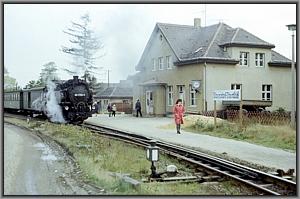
264, 183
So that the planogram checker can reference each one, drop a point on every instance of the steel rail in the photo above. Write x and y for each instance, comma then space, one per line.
267, 183
249, 176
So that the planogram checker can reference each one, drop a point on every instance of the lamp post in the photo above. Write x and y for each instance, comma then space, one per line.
153, 156
292, 27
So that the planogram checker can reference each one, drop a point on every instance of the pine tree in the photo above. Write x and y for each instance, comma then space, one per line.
84, 47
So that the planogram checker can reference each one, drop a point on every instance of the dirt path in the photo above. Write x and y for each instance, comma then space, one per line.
35, 165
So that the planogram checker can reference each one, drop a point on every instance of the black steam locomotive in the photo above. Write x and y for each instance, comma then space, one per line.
61, 101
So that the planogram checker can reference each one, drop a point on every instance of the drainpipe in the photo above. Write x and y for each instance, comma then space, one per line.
204, 87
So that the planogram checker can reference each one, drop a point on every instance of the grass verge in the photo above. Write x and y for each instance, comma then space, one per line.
276, 136
99, 156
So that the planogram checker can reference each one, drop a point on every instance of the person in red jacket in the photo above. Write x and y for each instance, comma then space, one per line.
178, 111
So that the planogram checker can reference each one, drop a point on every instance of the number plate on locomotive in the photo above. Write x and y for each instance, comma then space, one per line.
79, 94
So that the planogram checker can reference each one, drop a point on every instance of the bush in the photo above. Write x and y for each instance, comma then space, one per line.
280, 110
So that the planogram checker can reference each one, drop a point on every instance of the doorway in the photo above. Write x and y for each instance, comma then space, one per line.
149, 102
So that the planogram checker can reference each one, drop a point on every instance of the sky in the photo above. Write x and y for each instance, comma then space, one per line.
33, 33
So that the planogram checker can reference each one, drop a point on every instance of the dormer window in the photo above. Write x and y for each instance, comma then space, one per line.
225, 49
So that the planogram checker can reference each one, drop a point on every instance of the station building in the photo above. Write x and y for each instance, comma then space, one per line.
190, 62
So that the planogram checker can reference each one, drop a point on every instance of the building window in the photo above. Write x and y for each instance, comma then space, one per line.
168, 62
236, 86
266, 92
170, 95
192, 96
259, 59
181, 93
153, 64
244, 56
160, 63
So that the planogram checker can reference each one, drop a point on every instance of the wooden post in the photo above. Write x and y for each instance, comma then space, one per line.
241, 110
215, 113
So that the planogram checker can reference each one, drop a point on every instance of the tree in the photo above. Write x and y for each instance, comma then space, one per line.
31, 84
84, 48
10, 83
48, 73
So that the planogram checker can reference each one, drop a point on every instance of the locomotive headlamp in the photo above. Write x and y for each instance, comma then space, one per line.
67, 108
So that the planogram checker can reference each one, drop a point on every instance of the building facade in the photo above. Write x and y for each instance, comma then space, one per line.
190, 62
119, 94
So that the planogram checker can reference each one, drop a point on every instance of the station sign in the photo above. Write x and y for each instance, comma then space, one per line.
227, 95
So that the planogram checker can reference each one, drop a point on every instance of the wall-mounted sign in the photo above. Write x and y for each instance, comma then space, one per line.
227, 95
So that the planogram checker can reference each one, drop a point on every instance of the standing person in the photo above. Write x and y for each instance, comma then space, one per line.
138, 108
178, 111
109, 109
114, 109
96, 108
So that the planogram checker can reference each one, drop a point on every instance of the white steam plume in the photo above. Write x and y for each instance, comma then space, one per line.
54, 111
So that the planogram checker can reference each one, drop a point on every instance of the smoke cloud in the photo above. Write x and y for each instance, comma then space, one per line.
54, 111
50, 107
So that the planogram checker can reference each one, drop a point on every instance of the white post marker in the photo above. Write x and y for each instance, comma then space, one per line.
215, 113
241, 111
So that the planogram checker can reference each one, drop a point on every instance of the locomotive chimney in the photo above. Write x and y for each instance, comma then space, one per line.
75, 78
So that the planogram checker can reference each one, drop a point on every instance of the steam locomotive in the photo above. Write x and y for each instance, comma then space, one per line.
64, 101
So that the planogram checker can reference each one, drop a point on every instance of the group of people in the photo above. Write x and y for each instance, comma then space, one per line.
111, 110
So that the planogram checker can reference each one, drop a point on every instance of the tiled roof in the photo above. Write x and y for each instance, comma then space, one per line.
279, 60
115, 91
191, 43
276, 57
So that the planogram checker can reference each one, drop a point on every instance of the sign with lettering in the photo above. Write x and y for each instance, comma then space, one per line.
227, 95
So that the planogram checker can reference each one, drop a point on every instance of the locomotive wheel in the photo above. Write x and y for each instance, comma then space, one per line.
77, 122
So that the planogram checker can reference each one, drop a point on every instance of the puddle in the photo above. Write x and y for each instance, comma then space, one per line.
47, 154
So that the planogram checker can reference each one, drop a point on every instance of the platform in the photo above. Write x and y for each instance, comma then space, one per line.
151, 127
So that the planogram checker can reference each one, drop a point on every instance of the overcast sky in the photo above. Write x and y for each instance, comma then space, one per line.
33, 33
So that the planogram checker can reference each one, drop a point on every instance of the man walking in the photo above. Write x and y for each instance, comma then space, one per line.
138, 108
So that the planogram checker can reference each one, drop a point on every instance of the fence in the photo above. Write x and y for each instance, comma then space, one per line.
267, 118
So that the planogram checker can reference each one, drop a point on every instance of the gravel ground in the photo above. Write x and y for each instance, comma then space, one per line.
35, 165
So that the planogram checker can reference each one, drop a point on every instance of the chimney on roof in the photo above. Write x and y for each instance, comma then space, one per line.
197, 22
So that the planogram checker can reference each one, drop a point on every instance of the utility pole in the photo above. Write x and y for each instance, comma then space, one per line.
205, 15
108, 78
292, 27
